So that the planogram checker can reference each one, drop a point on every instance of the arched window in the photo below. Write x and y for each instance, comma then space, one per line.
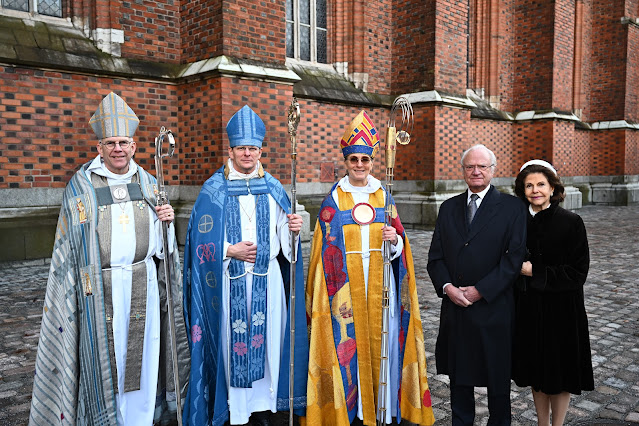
34, 7
306, 30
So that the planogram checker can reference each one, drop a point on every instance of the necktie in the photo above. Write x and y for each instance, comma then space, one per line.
472, 208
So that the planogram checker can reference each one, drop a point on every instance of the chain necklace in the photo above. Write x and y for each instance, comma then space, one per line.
249, 229
250, 216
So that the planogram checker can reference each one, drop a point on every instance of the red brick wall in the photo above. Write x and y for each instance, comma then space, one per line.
237, 28
632, 77
416, 161
201, 138
631, 153
413, 46
532, 139
451, 44
506, 54
534, 33
378, 36
451, 139
201, 24
587, 58
580, 164
608, 151
563, 55
631, 8
254, 30
44, 125
151, 28
498, 137
564, 156
608, 60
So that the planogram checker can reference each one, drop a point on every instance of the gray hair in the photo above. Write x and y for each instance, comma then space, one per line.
493, 159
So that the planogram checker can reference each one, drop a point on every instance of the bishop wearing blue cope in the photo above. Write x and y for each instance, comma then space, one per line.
236, 273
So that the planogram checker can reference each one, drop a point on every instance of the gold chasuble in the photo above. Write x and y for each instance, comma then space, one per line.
345, 320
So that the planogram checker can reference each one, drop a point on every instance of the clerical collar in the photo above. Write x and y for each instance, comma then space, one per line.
235, 175
372, 185
97, 166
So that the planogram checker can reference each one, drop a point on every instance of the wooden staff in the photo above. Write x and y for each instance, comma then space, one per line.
162, 199
293, 121
392, 137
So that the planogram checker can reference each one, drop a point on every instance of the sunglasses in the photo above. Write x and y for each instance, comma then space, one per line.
355, 160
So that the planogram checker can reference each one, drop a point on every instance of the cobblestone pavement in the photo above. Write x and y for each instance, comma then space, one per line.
612, 303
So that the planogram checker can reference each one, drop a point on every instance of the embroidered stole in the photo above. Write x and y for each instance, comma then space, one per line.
248, 337
355, 309
106, 197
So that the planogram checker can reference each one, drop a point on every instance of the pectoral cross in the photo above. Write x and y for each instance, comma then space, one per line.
124, 219
249, 232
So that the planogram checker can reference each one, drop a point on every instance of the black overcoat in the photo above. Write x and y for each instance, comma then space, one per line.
474, 343
552, 347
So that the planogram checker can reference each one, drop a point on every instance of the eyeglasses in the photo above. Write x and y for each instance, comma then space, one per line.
355, 160
112, 144
251, 149
480, 167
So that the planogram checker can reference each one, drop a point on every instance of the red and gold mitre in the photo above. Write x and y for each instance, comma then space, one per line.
360, 137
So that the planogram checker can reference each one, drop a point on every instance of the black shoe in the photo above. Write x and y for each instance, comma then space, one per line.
260, 418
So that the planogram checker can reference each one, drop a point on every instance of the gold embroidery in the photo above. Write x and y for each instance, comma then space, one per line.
82, 215
88, 289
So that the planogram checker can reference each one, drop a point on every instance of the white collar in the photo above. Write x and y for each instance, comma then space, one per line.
481, 194
97, 166
235, 175
372, 185
533, 213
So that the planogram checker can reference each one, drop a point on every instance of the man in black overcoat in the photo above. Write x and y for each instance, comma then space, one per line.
474, 259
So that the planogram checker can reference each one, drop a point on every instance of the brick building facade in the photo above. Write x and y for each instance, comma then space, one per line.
557, 80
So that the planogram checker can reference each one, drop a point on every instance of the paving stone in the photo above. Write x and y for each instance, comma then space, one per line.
608, 414
612, 304
588, 405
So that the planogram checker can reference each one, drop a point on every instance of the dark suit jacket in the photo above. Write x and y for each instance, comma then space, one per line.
474, 343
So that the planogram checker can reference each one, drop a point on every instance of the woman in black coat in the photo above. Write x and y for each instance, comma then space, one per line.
551, 351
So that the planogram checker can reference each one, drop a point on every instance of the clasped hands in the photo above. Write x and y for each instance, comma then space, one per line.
463, 296
247, 250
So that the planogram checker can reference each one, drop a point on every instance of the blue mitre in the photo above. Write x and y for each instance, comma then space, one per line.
246, 128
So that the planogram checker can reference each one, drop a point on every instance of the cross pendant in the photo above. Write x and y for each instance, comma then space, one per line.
124, 219
249, 233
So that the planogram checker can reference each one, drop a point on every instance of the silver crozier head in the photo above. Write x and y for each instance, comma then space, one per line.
406, 126
159, 143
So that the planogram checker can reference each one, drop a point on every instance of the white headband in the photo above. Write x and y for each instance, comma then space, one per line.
539, 163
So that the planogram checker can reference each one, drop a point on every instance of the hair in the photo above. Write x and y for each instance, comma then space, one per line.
558, 194
493, 159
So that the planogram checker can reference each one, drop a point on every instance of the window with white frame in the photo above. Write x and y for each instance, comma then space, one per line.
306, 30
39, 7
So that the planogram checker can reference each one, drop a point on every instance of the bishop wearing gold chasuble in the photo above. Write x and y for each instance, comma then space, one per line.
344, 301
